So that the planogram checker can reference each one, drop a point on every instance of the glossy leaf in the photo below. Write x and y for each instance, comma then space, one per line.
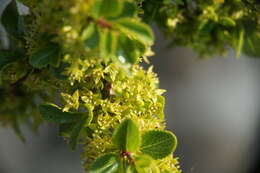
129, 10
111, 8
108, 43
107, 163
52, 113
136, 30
46, 56
158, 144
127, 136
130, 50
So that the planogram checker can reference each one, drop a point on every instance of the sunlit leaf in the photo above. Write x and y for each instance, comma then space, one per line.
136, 30
130, 50
127, 136
111, 8
158, 144
129, 10
107, 163
108, 43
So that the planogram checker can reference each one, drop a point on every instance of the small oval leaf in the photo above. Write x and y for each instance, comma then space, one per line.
107, 163
127, 136
158, 144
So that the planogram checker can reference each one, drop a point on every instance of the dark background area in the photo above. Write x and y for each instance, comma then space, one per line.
212, 106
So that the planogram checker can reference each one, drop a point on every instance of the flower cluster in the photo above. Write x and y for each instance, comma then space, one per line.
83, 58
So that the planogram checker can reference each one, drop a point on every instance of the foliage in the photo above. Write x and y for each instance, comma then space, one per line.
75, 63
209, 27
128, 156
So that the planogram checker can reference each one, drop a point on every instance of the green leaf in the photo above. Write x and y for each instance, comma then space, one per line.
89, 119
127, 136
107, 163
251, 45
7, 57
91, 36
161, 102
46, 56
158, 144
240, 42
130, 169
136, 29
108, 43
130, 50
10, 18
129, 10
227, 21
127, 50
111, 8
106, 8
52, 113
75, 133
12, 21
143, 164
95, 8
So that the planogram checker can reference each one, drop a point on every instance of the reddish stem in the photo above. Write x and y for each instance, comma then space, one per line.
104, 24
128, 155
